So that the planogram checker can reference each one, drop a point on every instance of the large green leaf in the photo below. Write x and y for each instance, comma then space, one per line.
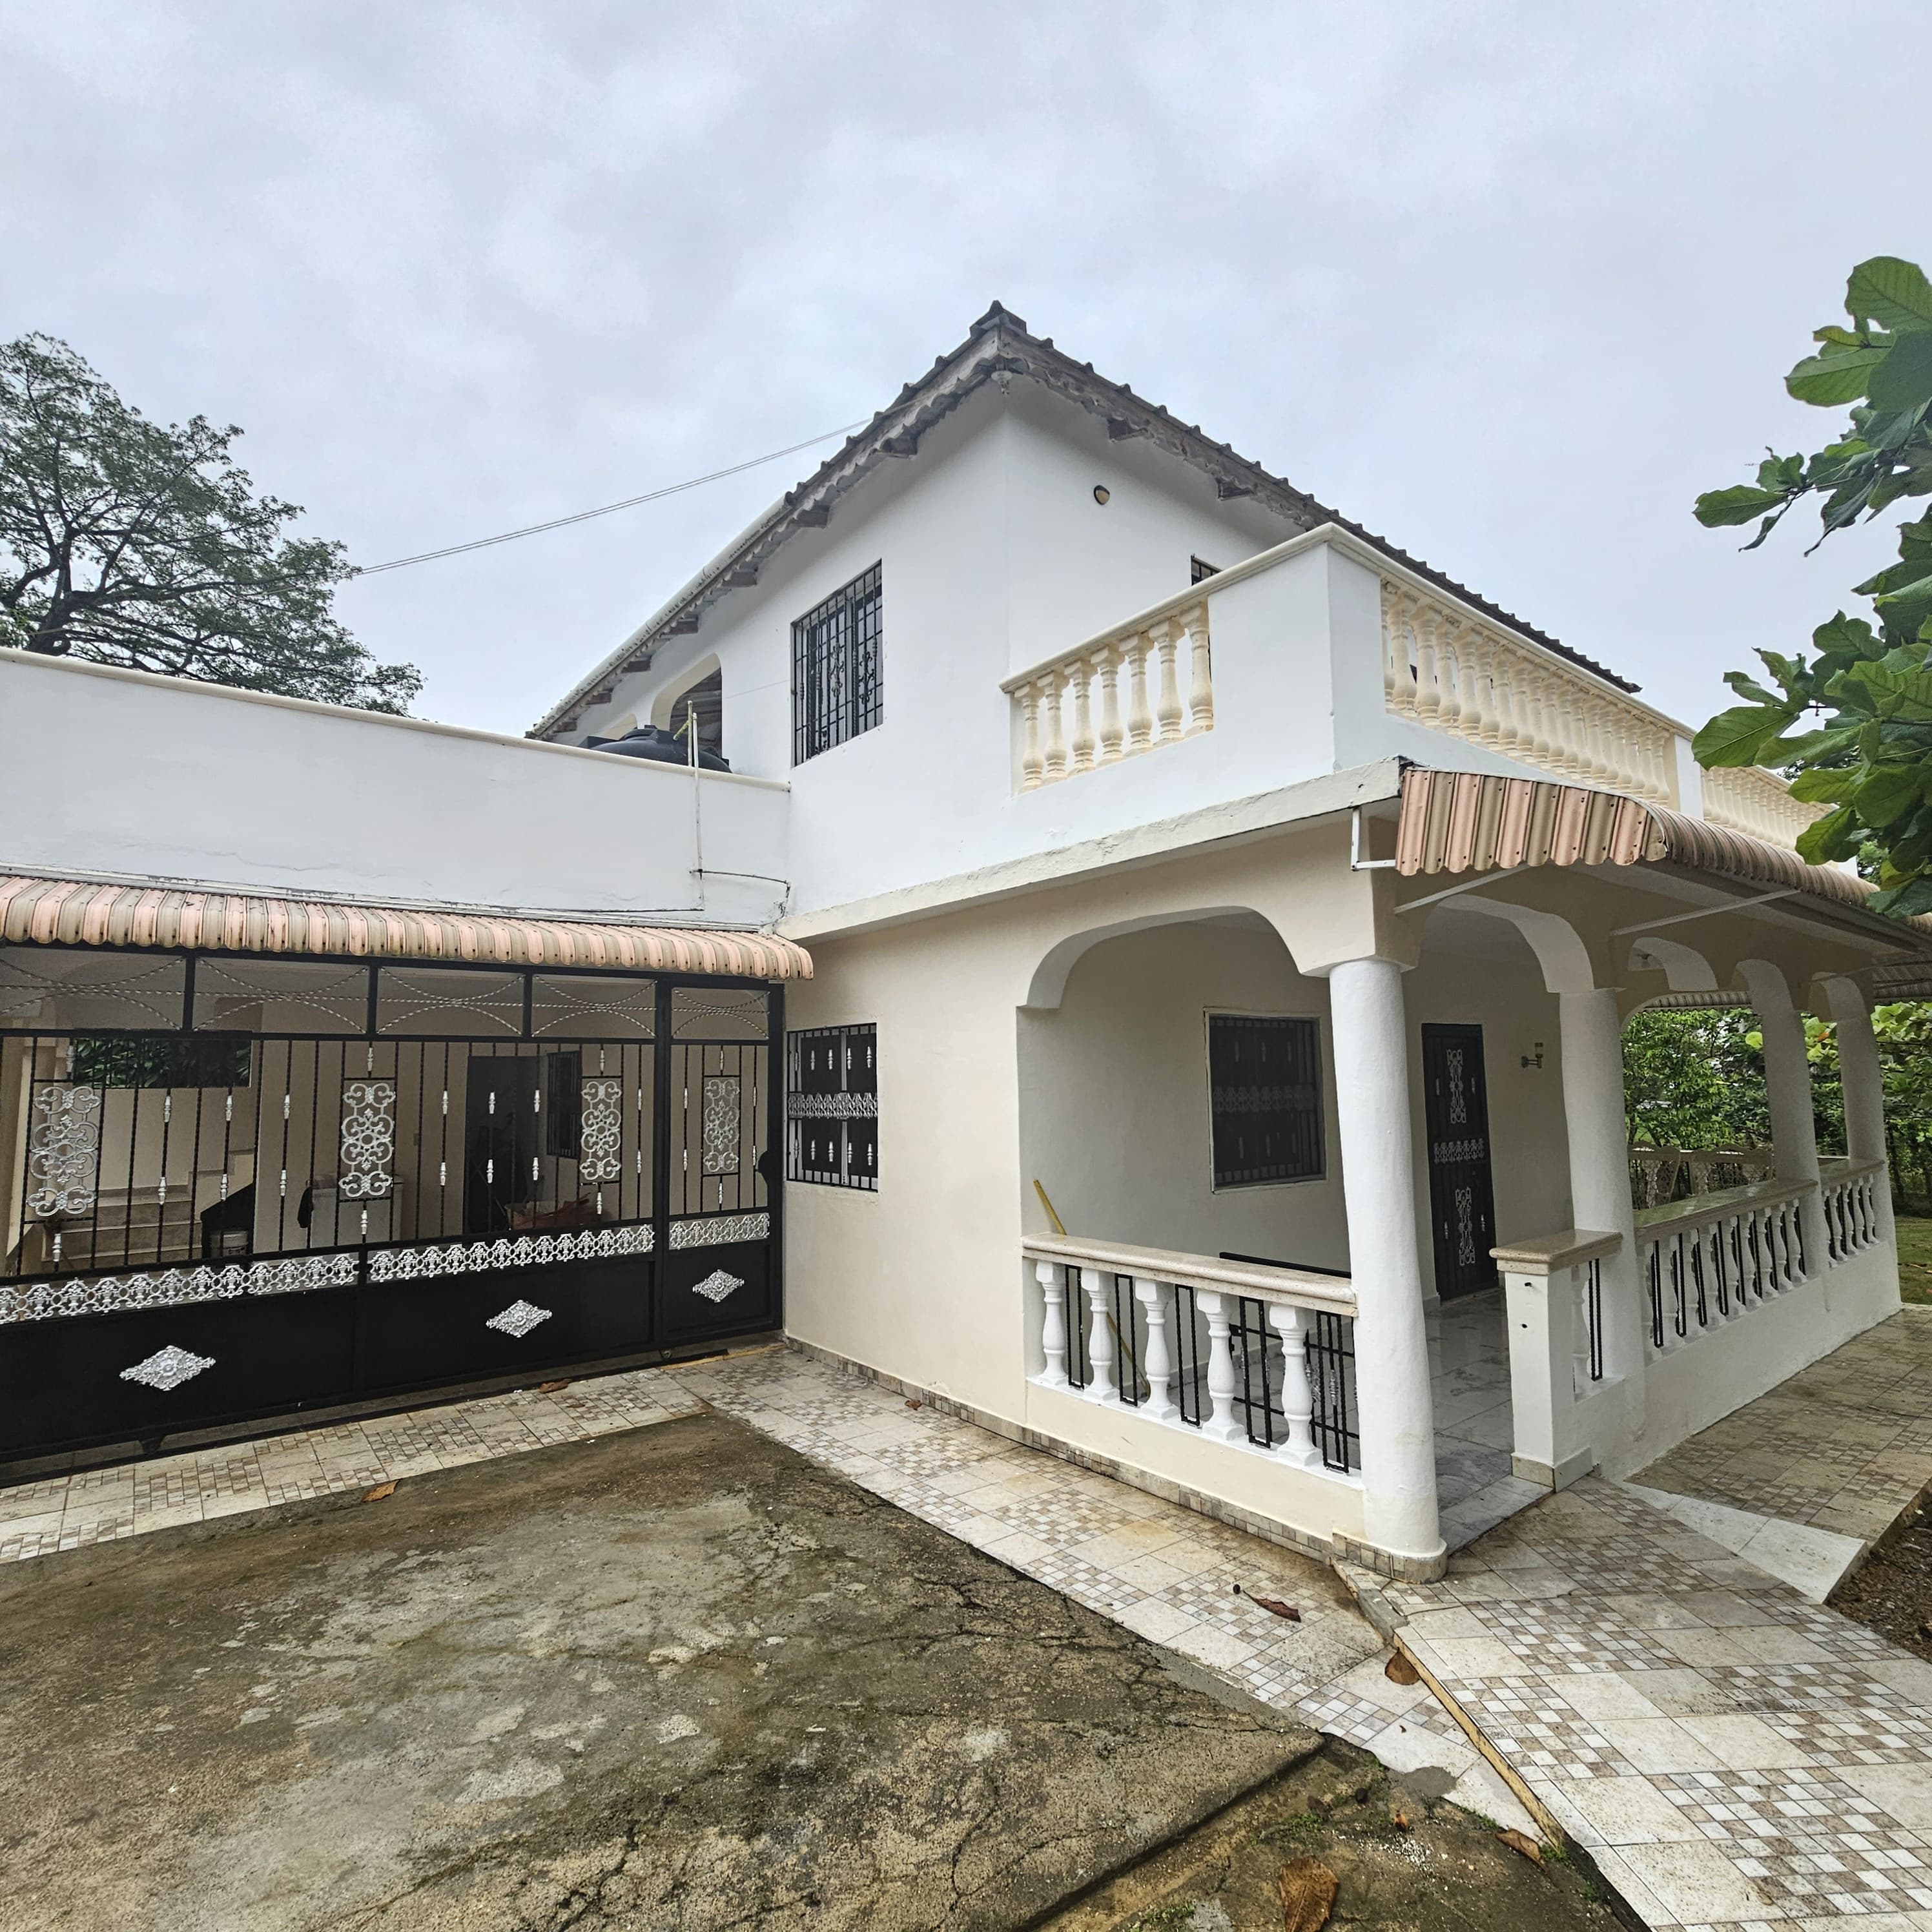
1887, 795
1904, 380
1834, 375
1826, 787
1907, 693
1738, 504
1735, 737
1834, 836
1904, 902
1888, 291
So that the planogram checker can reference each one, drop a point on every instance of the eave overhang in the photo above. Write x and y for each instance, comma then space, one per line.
998, 346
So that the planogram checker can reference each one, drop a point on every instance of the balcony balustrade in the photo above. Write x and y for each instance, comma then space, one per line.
1131, 690
1450, 671
1757, 803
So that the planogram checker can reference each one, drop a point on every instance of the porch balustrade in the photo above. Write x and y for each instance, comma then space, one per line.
1261, 1358
1130, 690
1849, 1194
1447, 670
1714, 1258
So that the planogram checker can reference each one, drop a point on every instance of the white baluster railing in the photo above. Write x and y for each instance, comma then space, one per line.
1849, 1195
1757, 802
1451, 670
1715, 1258
1149, 684
1257, 1357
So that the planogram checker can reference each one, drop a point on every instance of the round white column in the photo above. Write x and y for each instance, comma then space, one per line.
1787, 1080
1862, 1076
1376, 1136
1592, 1032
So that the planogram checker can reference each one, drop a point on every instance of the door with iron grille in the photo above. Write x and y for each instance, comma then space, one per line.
238, 1188
1462, 1198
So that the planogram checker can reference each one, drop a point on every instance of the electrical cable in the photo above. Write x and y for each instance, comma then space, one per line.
584, 516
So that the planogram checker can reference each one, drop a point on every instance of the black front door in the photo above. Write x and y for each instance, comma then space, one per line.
500, 1166
1462, 1200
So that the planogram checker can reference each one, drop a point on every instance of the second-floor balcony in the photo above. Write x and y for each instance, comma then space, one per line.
1445, 668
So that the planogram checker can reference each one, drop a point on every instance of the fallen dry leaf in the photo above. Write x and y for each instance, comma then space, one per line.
911, 1404
551, 1388
1275, 1606
1521, 1842
1307, 1889
381, 1490
1400, 1670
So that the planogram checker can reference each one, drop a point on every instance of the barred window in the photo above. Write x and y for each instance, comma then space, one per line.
837, 664
1265, 1083
832, 1105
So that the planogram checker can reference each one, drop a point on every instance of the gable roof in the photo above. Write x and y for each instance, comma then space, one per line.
997, 345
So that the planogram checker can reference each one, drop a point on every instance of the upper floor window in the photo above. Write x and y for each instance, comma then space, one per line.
837, 664
700, 709
1202, 569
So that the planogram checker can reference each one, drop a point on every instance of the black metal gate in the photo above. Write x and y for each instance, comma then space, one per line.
1461, 1196
327, 1183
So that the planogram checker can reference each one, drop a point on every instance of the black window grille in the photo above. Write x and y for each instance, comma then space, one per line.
1264, 1080
838, 665
832, 1105
157, 1060
1202, 569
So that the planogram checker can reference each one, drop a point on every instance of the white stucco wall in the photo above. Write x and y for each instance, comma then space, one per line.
118, 773
1113, 1096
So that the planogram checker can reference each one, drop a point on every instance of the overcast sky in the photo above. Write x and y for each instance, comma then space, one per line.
1508, 284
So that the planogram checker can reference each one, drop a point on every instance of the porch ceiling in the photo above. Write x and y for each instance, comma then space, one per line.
1457, 822
73, 912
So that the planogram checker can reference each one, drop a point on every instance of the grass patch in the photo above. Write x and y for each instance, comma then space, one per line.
1915, 1258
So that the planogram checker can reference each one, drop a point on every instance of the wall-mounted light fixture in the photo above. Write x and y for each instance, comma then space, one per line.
1101, 493
1537, 1060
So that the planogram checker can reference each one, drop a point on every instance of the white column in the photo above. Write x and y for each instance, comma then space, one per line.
1592, 1035
1787, 1079
1160, 1404
1862, 1076
1053, 1326
1375, 1135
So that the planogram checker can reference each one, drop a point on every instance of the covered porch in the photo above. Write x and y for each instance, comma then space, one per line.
1385, 1283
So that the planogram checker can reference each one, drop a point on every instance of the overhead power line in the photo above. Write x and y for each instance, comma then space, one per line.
629, 503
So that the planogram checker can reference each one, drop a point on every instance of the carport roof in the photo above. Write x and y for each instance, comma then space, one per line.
1457, 822
73, 912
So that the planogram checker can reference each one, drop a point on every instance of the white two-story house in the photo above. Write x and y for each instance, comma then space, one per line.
1052, 916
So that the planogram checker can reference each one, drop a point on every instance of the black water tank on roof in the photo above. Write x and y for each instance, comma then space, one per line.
648, 742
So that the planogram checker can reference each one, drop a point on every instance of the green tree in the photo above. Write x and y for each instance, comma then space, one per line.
131, 543
1864, 701
1695, 1079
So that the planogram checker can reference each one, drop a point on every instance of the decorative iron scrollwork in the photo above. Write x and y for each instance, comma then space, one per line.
63, 1150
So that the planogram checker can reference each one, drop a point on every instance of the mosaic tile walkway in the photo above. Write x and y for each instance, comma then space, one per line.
1843, 1446
1730, 1753
1163, 1570
127, 1498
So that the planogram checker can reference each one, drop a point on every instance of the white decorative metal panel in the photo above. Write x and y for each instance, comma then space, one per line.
507, 1251
722, 1121
600, 1129
717, 1284
171, 1287
63, 1150
368, 1139
518, 1319
168, 1368
713, 1231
